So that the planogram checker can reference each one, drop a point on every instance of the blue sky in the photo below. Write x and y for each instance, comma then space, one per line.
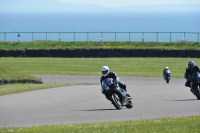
99, 5
118, 3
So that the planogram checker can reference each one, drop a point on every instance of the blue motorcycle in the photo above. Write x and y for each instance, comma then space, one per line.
195, 84
117, 95
167, 75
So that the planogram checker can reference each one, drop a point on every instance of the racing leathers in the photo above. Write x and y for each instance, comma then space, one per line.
188, 74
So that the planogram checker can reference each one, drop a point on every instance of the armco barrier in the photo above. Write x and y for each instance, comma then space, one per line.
100, 53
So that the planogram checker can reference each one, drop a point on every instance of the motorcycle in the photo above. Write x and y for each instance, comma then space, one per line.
117, 95
167, 75
195, 84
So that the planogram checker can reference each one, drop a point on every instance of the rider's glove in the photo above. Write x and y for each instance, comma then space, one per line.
117, 80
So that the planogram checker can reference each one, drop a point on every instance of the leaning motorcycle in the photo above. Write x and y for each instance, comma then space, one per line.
117, 95
195, 84
167, 75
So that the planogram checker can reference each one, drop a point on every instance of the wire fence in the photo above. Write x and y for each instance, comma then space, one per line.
99, 36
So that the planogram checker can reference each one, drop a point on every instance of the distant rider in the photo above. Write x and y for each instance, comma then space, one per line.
189, 71
107, 74
166, 69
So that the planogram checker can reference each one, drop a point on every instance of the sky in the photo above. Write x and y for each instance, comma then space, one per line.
118, 3
99, 5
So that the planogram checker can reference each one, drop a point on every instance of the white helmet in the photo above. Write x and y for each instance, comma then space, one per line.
105, 71
166, 67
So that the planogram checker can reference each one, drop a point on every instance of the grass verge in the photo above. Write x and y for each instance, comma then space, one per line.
137, 67
164, 125
41, 44
18, 88
8, 72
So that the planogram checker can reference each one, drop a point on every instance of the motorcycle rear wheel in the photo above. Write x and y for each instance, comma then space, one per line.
116, 101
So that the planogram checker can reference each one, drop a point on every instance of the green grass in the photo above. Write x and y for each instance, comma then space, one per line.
19, 68
8, 72
19, 88
164, 125
142, 67
96, 45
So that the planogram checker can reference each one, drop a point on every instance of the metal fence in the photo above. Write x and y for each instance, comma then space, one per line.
99, 36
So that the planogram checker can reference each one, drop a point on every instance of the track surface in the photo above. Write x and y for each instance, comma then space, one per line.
152, 98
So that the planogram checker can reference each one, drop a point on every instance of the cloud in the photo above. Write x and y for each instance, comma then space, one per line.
120, 3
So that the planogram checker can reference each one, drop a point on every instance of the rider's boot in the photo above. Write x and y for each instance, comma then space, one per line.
128, 95
192, 90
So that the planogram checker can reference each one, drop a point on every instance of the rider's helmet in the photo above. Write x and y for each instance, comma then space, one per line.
105, 71
191, 64
166, 68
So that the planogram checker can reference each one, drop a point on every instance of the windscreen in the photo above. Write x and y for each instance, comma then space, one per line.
105, 84
167, 71
107, 81
196, 77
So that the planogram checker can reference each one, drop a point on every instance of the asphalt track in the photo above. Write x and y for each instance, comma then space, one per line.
152, 98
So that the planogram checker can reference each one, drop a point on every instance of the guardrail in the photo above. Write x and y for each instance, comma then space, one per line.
100, 36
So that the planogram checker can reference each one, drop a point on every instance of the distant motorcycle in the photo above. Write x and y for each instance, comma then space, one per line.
117, 95
195, 84
167, 75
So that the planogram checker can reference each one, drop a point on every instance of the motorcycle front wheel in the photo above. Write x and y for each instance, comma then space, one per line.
129, 104
116, 101
197, 92
167, 79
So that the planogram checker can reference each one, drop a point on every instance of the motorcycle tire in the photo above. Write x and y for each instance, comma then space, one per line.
167, 79
197, 92
130, 104
114, 98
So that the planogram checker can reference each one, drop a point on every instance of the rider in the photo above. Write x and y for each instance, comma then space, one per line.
107, 74
165, 70
189, 71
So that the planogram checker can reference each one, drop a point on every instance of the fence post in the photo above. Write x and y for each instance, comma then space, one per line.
143, 37
101, 39
18, 35
60, 38
184, 37
183, 40
5, 38
170, 37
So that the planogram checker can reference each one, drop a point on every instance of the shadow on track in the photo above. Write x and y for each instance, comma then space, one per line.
183, 100
96, 110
